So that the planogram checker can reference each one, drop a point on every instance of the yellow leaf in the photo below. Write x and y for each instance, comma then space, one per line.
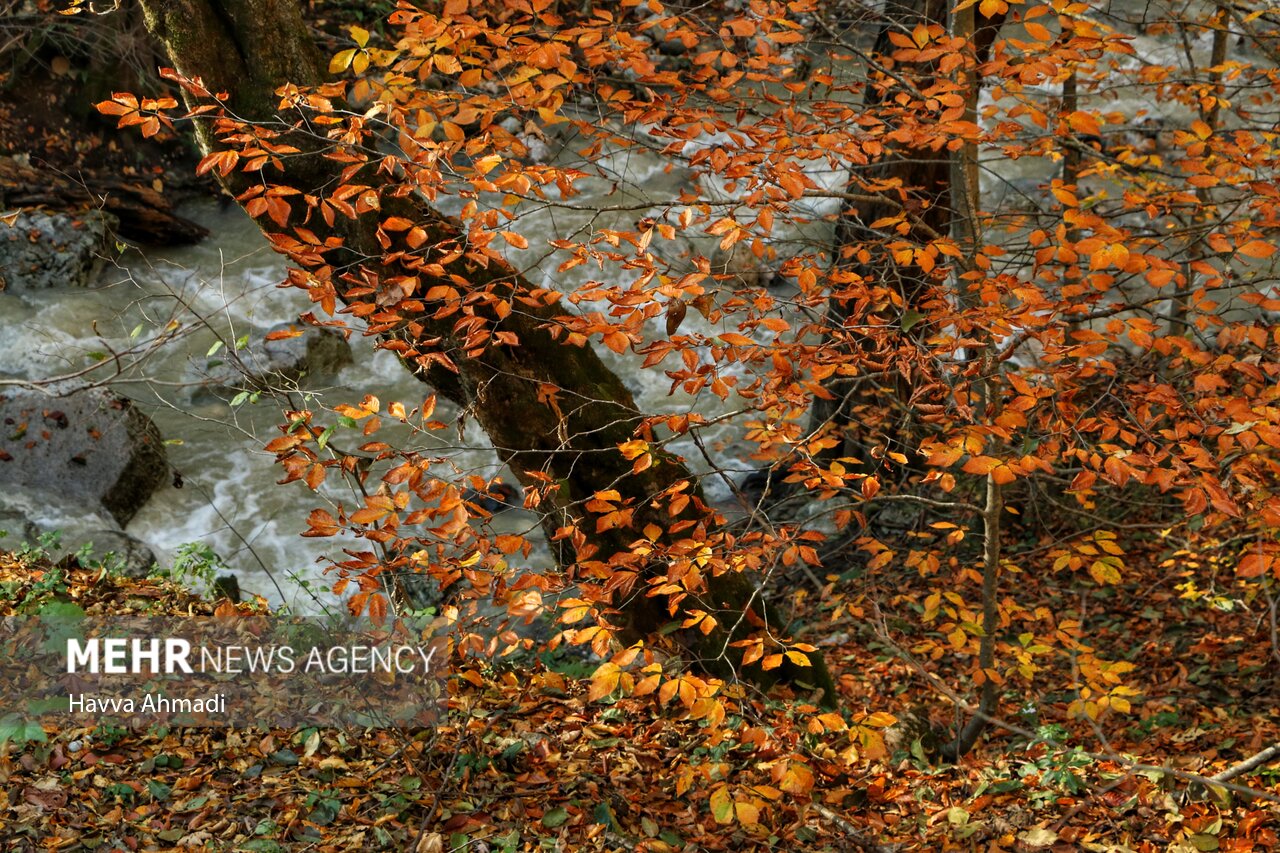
341, 61
722, 805
604, 681
485, 165
632, 449
575, 614
1104, 573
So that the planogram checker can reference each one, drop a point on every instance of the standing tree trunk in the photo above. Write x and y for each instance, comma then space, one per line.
1205, 210
923, 174
966, 229
924, 194
249, 49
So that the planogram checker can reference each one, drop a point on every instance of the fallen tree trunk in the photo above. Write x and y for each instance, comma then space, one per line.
250, 48
145, 215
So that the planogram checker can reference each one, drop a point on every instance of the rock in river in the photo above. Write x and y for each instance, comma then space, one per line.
284, 355
41, 250
134, 557
26, 513
90, 445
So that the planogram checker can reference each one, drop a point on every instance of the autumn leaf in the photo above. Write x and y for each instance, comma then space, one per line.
1257, 249
605, 681
722, 805
1253, 565
675, 315
1105, 571
797, 779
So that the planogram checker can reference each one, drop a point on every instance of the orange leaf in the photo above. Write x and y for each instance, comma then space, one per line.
378, 608
1257, 249
605, 681
1253, 565
797, 780
509, 543
1039, 32
617, 341
980, 465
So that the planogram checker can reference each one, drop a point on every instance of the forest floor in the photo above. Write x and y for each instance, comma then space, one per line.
523, 761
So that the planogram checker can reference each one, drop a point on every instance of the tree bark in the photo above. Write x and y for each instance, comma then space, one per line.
250, 48
966, 229
1180, 309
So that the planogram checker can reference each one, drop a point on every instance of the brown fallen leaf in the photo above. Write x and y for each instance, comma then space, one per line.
47, 794
196, 840
676, 310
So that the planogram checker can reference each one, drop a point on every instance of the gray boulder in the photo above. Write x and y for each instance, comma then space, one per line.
133, 557
17, 528
42, 250
270, 363
90, 446
28, 512
316, 351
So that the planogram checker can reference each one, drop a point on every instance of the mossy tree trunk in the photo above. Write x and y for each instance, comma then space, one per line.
250, 48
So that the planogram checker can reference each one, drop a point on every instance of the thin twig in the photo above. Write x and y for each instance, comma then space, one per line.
1253, 762
852, 832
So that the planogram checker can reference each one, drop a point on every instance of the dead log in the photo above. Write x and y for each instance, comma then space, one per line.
145, 215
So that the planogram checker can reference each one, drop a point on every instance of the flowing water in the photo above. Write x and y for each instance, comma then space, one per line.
225, 492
